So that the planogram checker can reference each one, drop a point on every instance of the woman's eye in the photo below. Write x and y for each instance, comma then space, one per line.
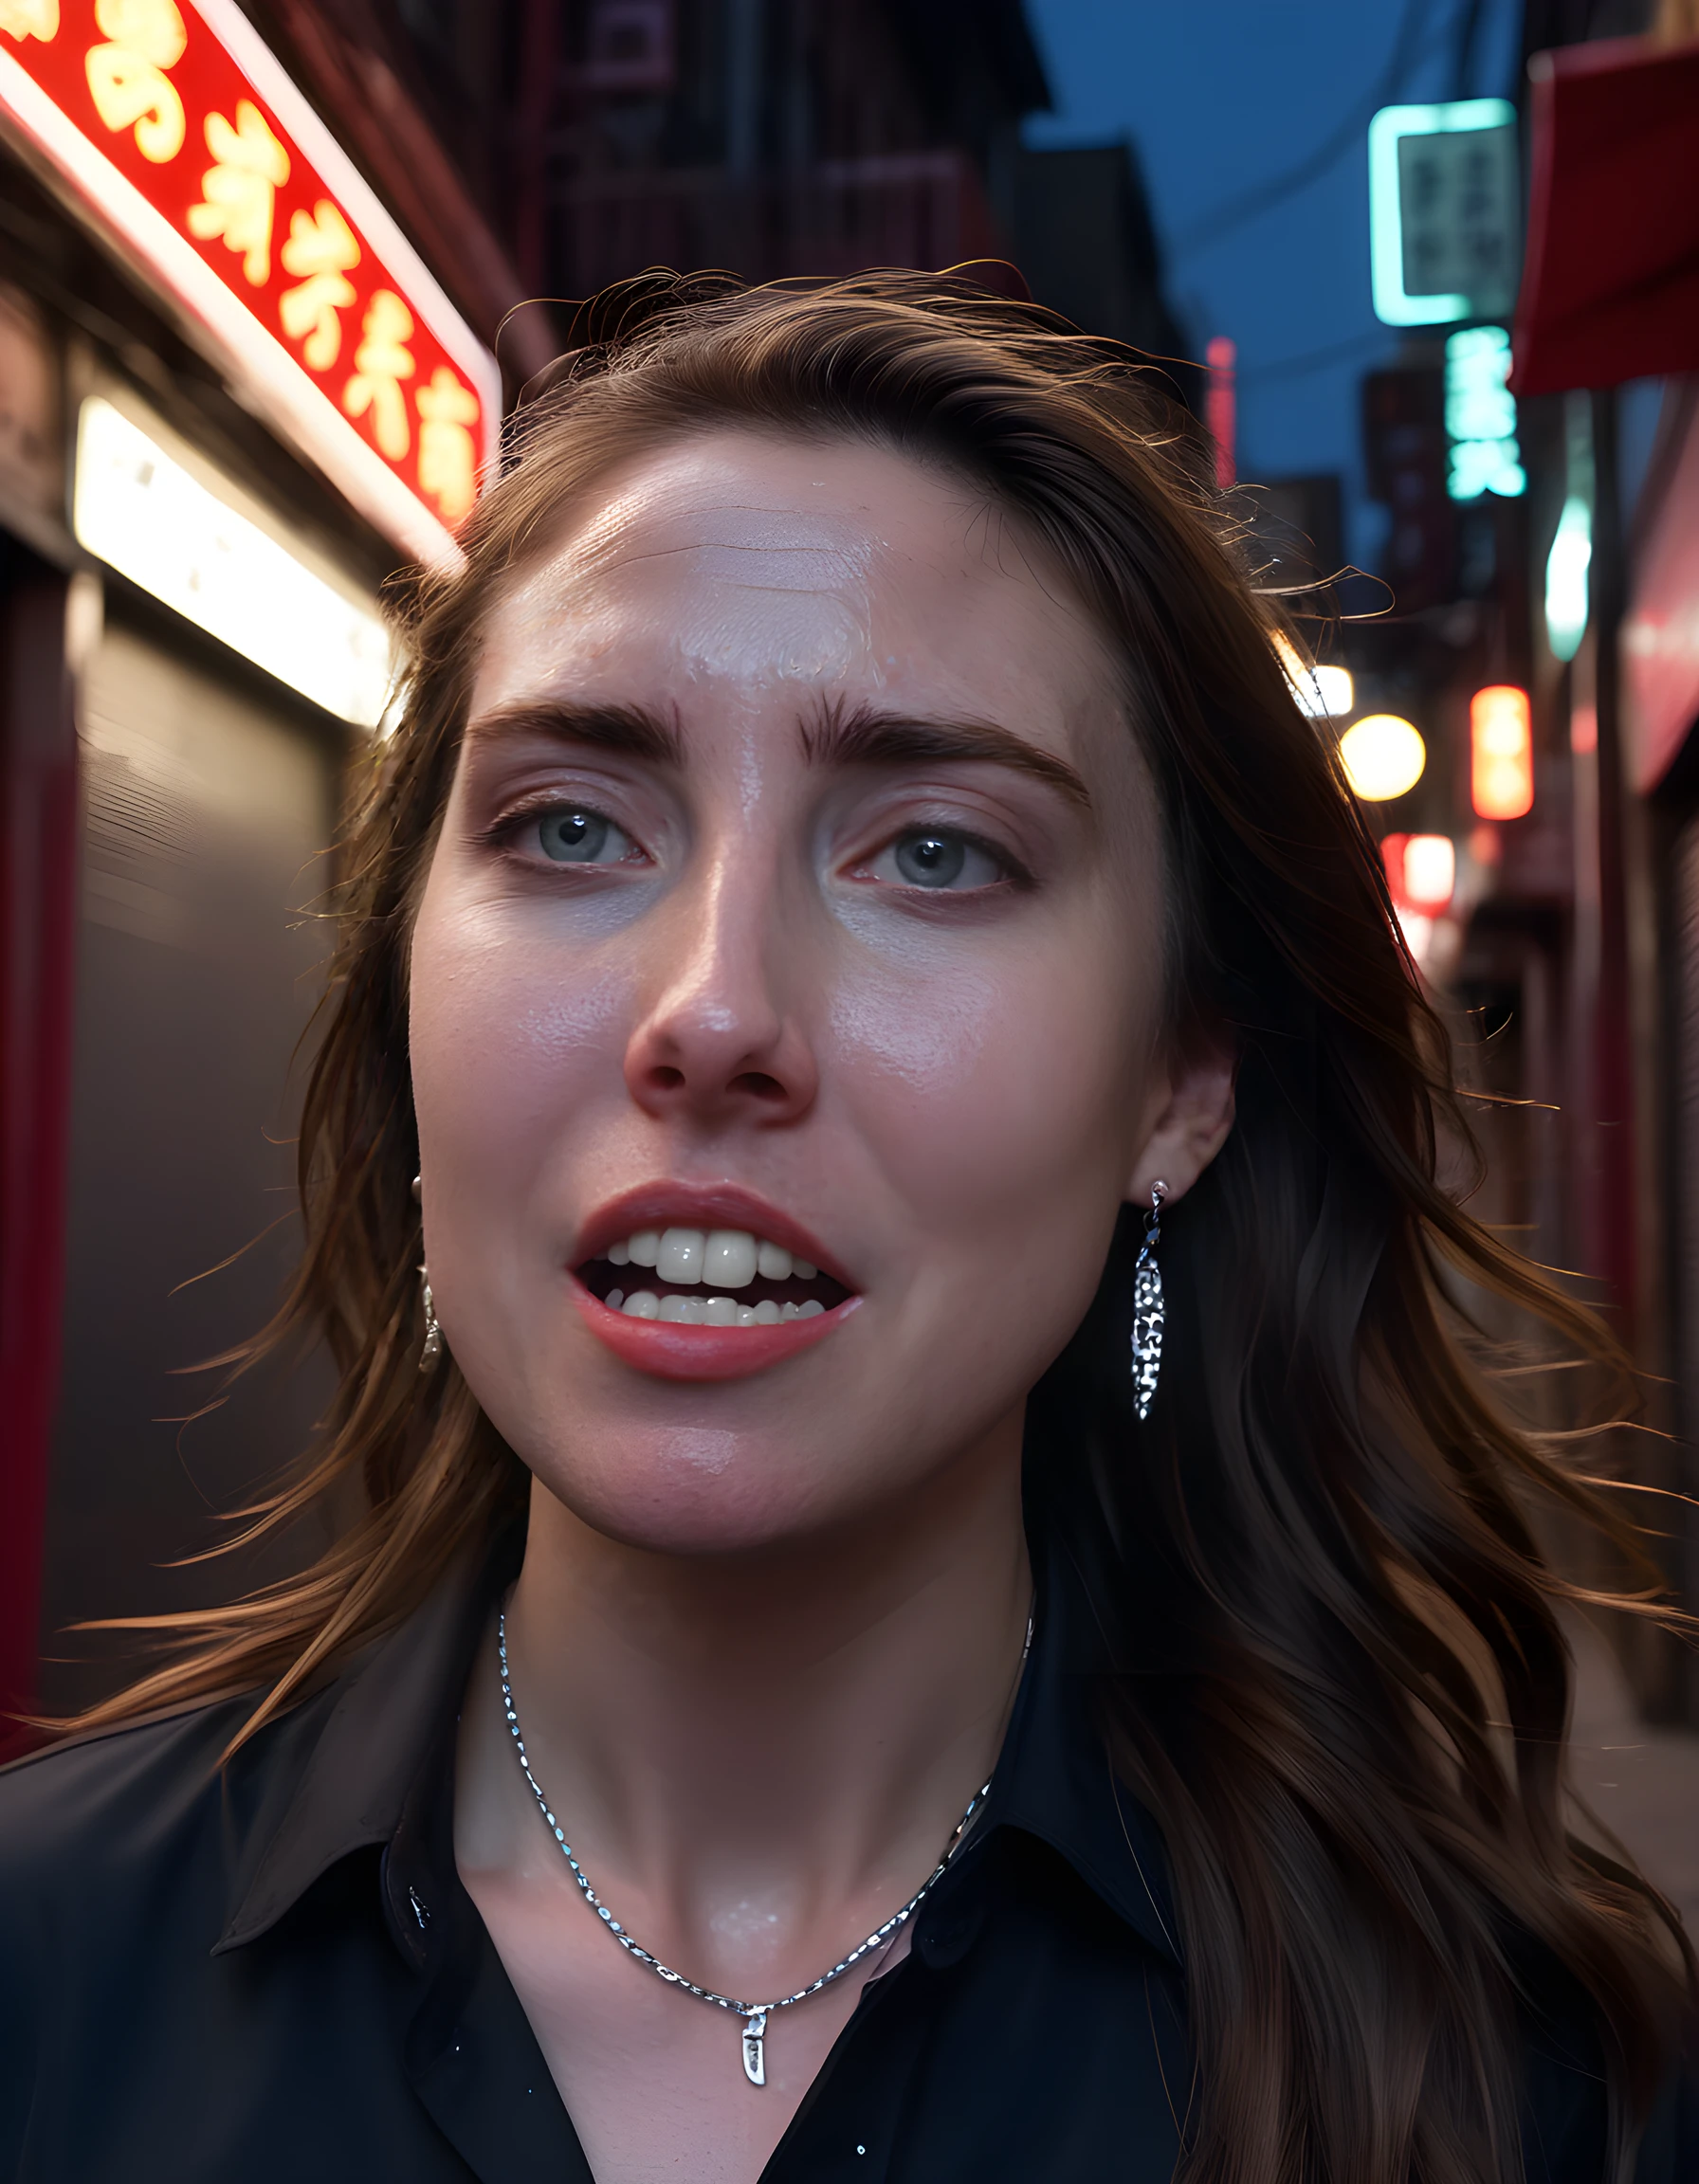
572, 836
938, 859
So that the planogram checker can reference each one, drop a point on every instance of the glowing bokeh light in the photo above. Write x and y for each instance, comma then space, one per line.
1566, 565
1501, 751
1323, 693
1383, 755
1430, 872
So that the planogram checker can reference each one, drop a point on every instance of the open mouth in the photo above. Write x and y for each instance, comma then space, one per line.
708, 1278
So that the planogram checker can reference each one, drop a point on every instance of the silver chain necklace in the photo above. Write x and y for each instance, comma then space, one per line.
754, 2014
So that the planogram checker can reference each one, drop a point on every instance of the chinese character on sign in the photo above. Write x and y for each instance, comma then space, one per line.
126, 77
1480, 417
173, 124
380, 364
30, 18
240, 191
448, 460
1459, 191
320, 253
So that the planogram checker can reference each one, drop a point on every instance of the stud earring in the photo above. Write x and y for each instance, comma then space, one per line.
433, 1332
1148, 1309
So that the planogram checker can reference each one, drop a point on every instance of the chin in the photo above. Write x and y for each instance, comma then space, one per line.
688, 1490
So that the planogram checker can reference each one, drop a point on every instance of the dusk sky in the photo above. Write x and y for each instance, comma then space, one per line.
1225, 101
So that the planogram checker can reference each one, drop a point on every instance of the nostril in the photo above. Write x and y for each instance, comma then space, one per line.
758, 1086
712, 1085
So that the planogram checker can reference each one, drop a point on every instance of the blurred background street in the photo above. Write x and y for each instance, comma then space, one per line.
271, 273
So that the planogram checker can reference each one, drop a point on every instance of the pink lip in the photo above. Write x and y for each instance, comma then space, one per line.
673, 1352
688, 1206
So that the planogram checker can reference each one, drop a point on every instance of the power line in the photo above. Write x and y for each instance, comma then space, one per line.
1249, 204
1314, 359
1467, 37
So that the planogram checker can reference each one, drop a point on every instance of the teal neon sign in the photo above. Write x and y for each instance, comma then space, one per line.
1480, 417
1444, 201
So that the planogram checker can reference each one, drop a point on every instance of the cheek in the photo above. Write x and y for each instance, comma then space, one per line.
505, 1035
1003, 1097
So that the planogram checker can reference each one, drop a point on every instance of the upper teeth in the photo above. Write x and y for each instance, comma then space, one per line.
719, 1258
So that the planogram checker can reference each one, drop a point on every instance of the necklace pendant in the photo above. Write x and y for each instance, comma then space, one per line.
755, 2047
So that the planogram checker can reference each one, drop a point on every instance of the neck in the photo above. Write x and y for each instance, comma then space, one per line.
818, 1712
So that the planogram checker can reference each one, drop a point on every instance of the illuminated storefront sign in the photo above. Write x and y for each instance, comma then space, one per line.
1444, 195
178, 128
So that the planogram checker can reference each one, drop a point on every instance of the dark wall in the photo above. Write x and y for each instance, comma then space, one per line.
209, 800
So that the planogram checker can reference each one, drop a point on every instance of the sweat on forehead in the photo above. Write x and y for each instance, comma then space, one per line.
767, 510
759, 557
763, 548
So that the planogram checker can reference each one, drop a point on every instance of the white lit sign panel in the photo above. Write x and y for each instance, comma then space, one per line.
143, 512
1444, 212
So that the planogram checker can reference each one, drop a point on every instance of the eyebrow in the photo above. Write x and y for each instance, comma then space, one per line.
628, 729
863, 736
839, 736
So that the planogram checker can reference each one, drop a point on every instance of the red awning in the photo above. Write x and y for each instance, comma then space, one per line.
1610, 285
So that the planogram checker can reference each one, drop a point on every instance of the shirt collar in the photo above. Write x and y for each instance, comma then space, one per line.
351, 1767
339, 1770
1055, 1779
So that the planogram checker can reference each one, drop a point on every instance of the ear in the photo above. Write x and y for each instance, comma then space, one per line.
1192, 1123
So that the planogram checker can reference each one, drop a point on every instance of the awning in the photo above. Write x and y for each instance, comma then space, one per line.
1610, 283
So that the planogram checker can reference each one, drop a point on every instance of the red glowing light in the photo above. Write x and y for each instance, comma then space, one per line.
1220, 405
1421, 872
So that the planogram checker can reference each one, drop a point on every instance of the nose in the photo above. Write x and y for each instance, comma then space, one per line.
719, 1045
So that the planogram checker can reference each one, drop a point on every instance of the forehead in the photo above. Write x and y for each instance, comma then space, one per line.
741, 568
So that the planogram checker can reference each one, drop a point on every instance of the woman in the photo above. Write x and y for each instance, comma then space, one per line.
933, 1594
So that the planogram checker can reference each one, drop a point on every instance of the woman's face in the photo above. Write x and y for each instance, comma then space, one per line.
798, 893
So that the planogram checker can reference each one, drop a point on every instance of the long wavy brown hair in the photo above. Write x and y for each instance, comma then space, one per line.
1345, 1686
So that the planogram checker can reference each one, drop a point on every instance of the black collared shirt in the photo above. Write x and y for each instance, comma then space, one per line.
274, 1973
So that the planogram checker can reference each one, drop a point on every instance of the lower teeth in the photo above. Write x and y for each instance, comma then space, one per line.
709, 1311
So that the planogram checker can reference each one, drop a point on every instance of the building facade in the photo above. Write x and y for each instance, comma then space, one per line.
1543, 573
234, 396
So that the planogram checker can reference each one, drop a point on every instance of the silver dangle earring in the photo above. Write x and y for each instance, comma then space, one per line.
1148, 1309
433, 1332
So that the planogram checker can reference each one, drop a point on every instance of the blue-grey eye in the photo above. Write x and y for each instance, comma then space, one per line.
572, 836
930, 857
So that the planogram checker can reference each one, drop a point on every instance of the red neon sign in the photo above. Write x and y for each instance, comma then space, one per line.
1220, 405
1501, 737
183, 134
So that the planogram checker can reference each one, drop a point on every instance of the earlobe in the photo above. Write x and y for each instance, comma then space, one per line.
1193, 1125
